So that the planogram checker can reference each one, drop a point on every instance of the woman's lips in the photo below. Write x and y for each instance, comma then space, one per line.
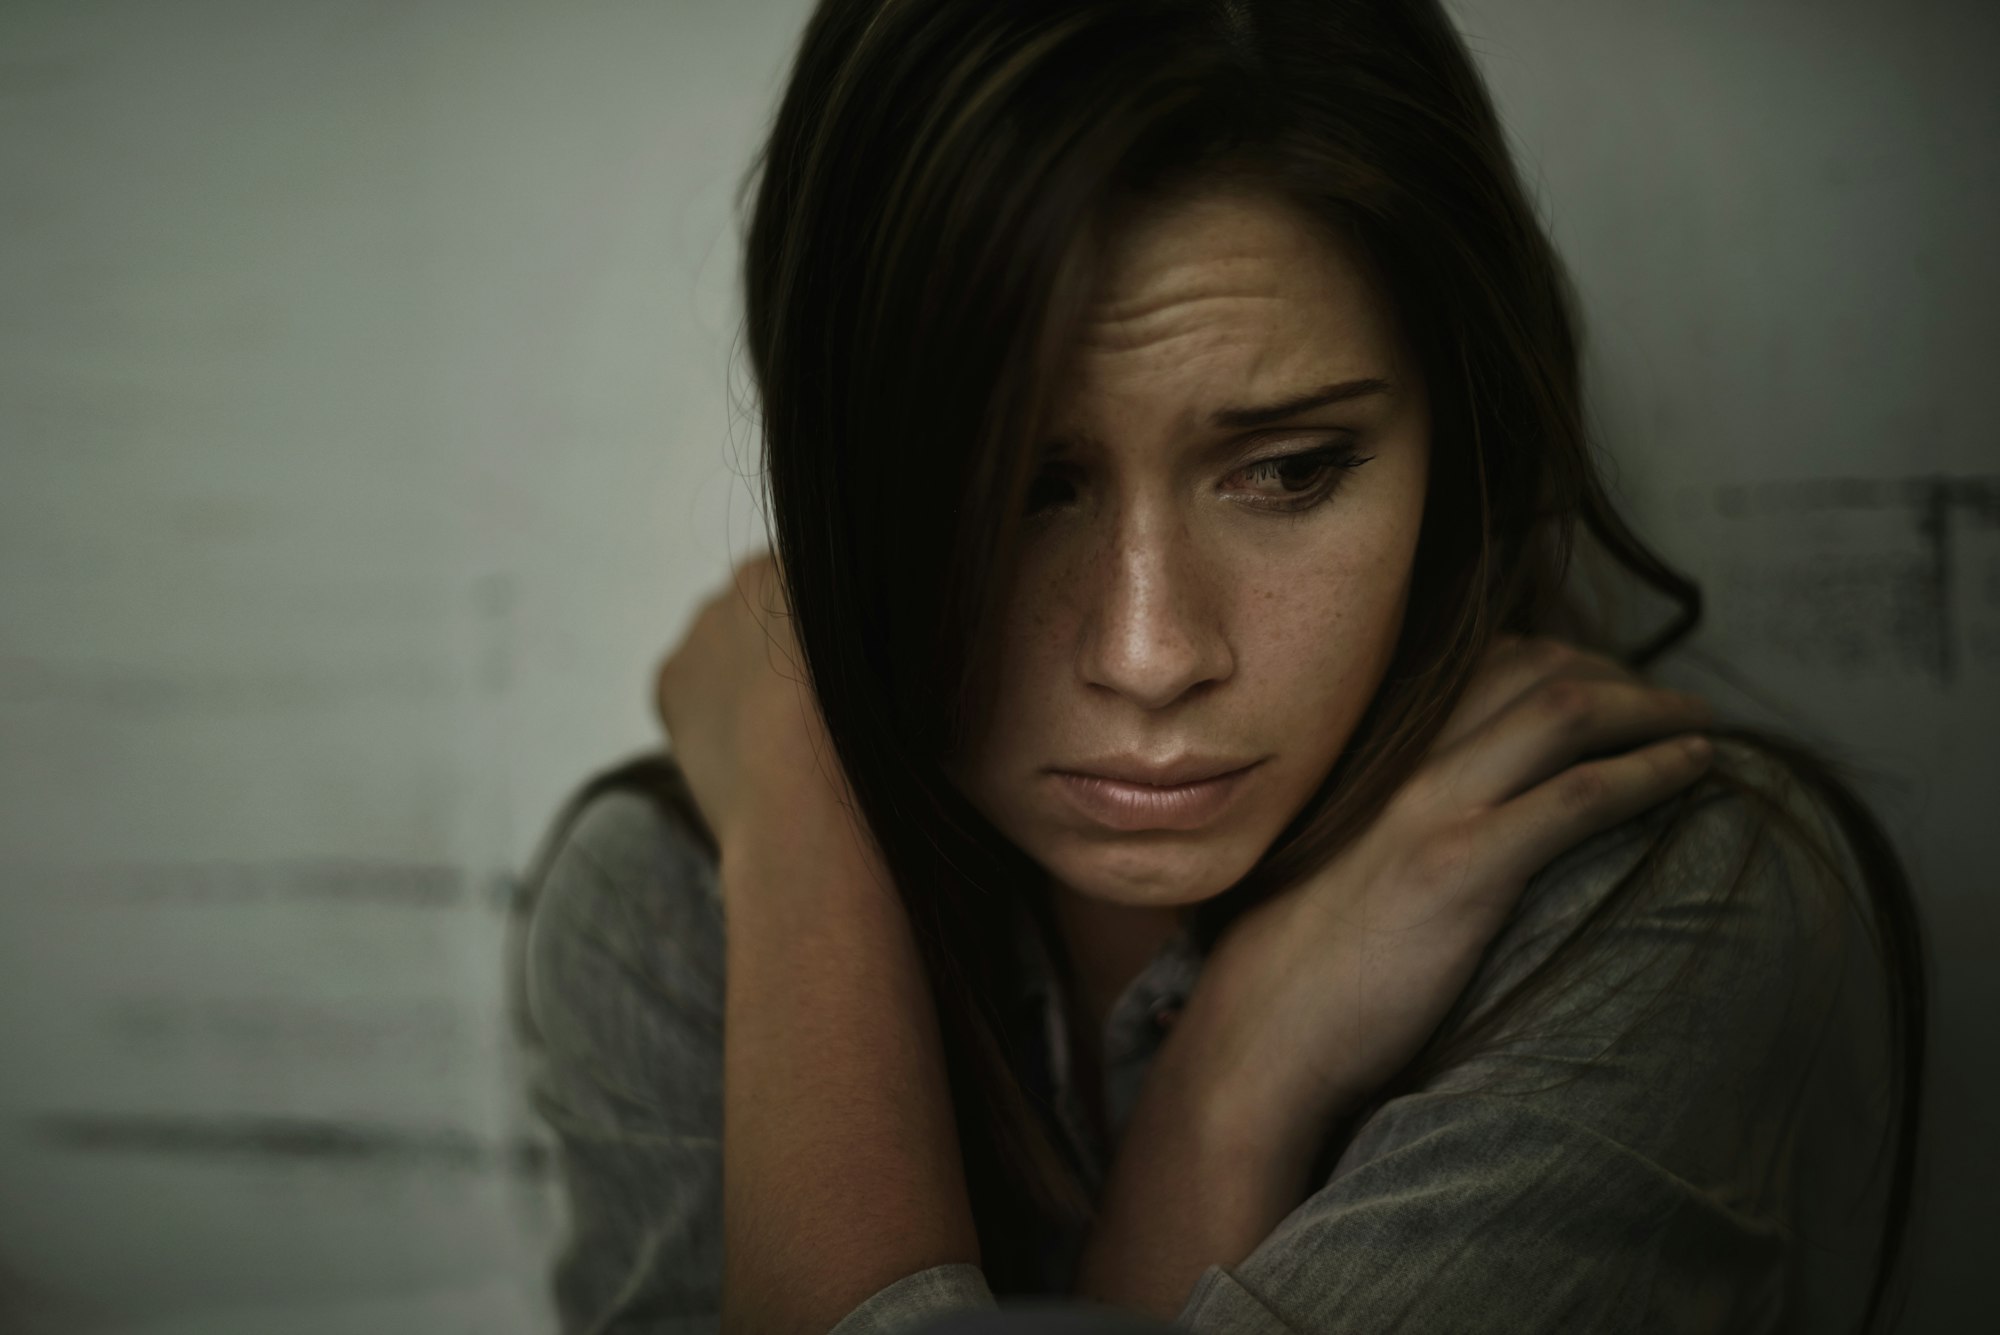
1123, 806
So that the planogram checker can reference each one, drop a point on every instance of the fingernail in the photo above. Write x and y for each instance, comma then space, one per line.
1700, 748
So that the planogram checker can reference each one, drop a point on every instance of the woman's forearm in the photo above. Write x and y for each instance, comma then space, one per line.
1200, 1177
841, 1169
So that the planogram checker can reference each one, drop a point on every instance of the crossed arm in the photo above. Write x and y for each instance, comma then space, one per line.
1602, 1170
841, 1162
1545, 1182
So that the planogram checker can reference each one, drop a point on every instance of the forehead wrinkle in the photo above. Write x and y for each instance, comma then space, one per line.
1181, 391
1121, 329
1197, 304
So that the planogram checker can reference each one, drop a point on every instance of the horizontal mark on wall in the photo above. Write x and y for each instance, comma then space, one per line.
291, 1139
384, 883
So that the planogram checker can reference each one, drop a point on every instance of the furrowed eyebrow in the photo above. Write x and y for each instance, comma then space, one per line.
1248, 417
1266, 414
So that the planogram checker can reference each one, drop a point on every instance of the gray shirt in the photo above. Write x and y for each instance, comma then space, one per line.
1685, 1141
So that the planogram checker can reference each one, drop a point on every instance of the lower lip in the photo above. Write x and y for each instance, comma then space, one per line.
1141, 806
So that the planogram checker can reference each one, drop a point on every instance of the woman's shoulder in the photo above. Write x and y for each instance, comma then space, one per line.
1751, 845
1720, 940
621, 986
624, 907
632, 831
1685, 981
627, 813
1652, 1071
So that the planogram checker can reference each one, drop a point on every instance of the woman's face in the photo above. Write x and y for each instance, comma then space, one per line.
1216, 556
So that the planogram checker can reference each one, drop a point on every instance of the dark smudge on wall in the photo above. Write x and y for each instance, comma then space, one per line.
1854, 576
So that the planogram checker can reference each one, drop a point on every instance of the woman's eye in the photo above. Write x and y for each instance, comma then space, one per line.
1052, 487
1285, 482
1298, 481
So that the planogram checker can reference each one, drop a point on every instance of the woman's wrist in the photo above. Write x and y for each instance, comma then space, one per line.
1244, 1091
1251, 1074
794, 817
1201, 1177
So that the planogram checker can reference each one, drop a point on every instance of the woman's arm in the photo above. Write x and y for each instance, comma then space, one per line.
841, 1170
1314, 998
1622, 1156
841, 1166
1629, 1153
1196, 1182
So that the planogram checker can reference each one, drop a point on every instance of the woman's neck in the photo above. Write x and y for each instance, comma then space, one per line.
1108, 945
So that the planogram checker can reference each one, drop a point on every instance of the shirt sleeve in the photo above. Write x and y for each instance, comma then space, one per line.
919, 1300
623, 987
1620, 1159
625, 993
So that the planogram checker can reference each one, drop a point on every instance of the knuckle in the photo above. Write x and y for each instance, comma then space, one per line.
1431, 795
1568, 703
1419, 796
1583, 788
1550, 654
1678, 761
1665, 764
1693, 704
1442, 859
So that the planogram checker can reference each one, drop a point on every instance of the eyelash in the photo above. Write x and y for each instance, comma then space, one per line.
1334, 461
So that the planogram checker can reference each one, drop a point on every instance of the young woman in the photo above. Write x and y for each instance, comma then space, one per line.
1183, 844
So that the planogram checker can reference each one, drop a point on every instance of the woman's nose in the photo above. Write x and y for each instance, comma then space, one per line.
1153, 632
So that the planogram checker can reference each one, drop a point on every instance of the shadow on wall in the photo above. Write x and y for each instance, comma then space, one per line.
1853, 577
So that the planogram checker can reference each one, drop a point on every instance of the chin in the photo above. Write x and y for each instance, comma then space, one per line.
1151, 871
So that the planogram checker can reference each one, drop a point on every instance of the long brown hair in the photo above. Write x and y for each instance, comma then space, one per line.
928, 209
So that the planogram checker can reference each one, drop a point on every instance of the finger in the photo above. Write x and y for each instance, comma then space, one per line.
671, 673
767, 597
1515, 665
757, 579
1538, 826
1561, 721
747, 584
666, 689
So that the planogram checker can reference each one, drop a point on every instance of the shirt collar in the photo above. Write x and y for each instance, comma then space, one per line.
1166, 980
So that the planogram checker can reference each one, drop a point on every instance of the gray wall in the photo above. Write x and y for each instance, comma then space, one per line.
366, 406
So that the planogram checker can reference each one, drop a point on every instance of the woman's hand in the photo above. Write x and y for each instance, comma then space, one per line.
1314, 998
745, 727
